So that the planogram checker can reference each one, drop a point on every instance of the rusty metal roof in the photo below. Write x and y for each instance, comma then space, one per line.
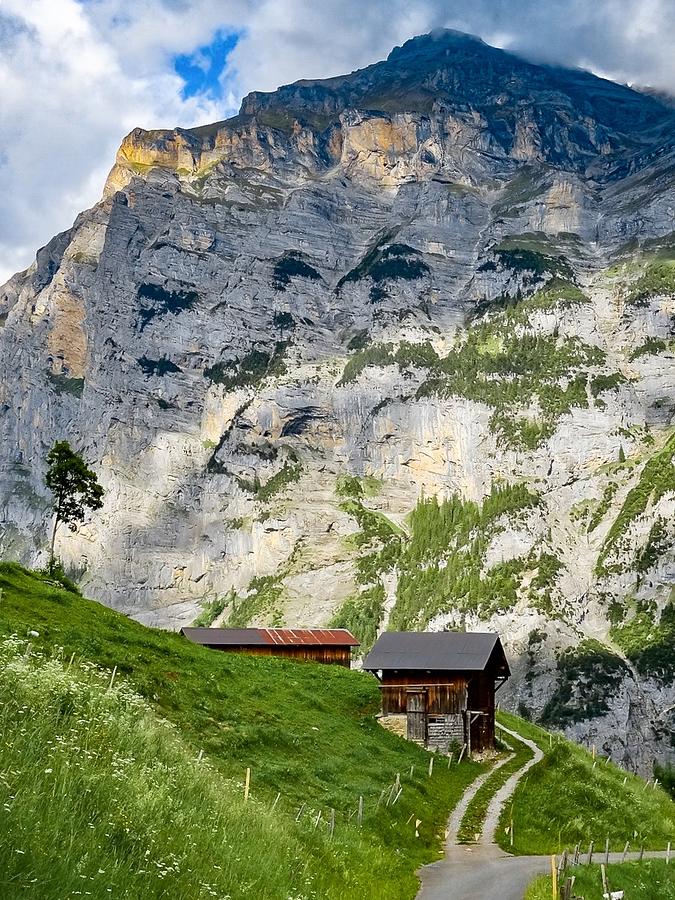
445, 651
330, 636
260, 637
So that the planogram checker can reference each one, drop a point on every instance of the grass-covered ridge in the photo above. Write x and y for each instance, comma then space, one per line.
306, 731
570, 798
92, 769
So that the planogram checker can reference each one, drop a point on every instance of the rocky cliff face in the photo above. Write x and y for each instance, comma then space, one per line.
389, 350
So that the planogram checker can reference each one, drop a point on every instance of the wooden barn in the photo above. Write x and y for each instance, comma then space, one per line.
443, 682
319, 644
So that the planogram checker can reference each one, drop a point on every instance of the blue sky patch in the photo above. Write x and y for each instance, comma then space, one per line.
201, 69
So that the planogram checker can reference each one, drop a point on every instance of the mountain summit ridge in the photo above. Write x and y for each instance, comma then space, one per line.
435, 93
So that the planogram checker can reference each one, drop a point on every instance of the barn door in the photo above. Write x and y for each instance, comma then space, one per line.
416, 710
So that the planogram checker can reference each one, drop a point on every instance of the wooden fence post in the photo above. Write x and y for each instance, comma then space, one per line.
554, 878
276, 800
247, 785
642, 852
431, 766
668, 853
568, 887
590, 854
332, 823
563, 865
576, 854
625, 851
607, 851
360, 816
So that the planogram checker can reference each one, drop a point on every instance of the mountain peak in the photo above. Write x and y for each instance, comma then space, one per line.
412, 111
434, 42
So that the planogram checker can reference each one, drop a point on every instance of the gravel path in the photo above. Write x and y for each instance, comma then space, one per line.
458, 813
494, 810
484, 871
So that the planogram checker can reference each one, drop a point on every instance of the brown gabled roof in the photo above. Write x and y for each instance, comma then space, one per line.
446, 651
260, 637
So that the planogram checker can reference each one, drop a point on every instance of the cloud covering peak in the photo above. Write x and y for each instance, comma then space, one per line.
76, 76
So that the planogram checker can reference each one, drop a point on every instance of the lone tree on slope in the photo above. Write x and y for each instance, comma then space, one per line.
74, 486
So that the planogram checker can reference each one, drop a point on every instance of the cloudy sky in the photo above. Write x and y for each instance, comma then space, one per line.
77, 75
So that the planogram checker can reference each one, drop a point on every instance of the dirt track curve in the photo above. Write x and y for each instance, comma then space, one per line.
484, 871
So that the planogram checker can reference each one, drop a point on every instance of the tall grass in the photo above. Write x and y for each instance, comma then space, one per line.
306, 731
102, 798
649, 880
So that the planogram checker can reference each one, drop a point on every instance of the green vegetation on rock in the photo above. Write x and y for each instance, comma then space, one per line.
648, 644
381, 264
158, 367
211, 609
362, 614
441, 566
292, 265
64, 384
159, 301
588, 676
658, 279
652, 346
531, 263
529, 379
656, 479
249, 370
262, 596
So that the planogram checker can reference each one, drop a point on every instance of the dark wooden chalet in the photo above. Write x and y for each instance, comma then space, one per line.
319, 644
444, 682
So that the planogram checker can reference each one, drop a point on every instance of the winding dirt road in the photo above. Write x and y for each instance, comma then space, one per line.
484, 871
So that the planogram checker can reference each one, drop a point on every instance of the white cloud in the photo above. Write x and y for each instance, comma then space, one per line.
69, 94
76, 76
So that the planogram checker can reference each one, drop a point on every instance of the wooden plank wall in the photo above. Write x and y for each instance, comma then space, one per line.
442, 699
448, 694
333, 655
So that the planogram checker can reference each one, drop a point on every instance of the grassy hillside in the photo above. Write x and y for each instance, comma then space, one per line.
649, 880
306, 731
570, 798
